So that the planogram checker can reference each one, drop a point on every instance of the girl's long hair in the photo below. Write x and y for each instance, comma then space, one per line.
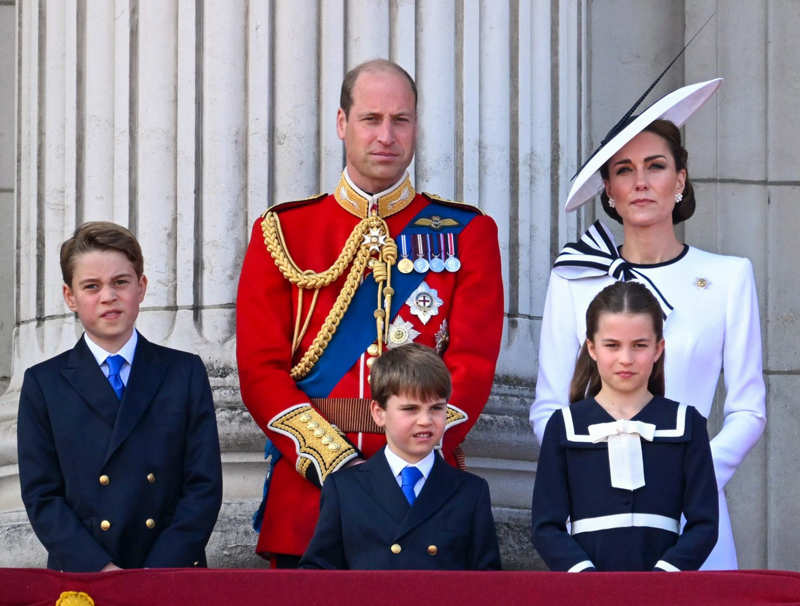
619, 297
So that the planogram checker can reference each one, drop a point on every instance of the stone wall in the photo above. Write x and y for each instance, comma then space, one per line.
186, 127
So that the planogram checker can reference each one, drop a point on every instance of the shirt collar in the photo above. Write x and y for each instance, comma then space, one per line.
385, 203
397, 463
126, 351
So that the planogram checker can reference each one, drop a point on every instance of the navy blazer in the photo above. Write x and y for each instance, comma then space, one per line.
136, 482
366, 522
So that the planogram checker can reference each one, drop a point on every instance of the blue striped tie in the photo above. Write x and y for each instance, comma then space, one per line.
114, 365
409, 476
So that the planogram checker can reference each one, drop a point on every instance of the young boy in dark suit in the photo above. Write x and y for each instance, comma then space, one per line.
118, 449
406, 508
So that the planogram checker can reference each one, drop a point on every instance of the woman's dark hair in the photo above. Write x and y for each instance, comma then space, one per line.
619, 297
670, 133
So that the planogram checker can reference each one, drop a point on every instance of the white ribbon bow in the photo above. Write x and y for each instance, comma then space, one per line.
624, 450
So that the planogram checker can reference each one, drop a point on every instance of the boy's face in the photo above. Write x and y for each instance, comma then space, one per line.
413, 427
105, 293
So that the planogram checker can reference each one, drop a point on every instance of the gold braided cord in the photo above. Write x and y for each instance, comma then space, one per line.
311, 308
331, 323
356, 253
276, 245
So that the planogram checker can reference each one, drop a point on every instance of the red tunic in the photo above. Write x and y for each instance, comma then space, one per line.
314, 233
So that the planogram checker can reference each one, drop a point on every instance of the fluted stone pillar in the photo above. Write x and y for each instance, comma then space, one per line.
185, 119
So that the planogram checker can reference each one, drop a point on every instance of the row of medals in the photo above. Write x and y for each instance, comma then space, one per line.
426, 259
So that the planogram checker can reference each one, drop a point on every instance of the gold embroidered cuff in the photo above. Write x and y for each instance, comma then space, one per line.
319, 445
455, 416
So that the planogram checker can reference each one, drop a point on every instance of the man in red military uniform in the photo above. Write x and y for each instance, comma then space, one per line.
328, 283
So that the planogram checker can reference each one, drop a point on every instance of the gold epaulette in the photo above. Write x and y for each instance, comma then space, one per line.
446, 202
318, 443
455, 416
281, 206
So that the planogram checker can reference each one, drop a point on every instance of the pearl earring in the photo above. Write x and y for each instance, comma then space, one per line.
678, 198
611, 202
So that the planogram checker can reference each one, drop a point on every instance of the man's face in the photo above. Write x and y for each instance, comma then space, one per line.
380, 132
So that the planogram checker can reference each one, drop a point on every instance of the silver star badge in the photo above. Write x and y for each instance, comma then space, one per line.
401, 332
424, 302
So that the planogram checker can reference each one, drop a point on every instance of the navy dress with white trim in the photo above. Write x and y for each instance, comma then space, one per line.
618, 529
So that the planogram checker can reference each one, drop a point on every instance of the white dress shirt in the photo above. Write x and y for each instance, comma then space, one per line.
126, 351
398, 463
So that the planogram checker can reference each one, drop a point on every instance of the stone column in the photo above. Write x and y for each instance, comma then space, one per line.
185, 119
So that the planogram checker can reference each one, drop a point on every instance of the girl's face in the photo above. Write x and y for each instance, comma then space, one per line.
643, 181
625, 348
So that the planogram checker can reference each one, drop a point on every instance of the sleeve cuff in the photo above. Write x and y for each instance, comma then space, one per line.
581, 566
666, 566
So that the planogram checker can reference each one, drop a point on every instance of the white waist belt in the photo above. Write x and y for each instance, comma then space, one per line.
626, 520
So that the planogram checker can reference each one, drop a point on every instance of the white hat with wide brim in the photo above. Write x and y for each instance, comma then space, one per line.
676, 107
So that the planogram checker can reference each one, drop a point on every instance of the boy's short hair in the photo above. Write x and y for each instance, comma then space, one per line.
412, 369
100, 235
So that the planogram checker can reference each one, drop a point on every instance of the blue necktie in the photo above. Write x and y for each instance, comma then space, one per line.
114, 365
409, 476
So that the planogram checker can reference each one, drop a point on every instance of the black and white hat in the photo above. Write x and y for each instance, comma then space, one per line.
676, 107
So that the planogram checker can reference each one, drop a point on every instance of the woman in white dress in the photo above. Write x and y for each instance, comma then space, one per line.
709, 300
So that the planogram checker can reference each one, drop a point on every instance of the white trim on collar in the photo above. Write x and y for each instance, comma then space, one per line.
676, 432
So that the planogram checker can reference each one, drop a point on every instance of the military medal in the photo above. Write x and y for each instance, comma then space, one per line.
404, 265
437, 264
401, 332
442, 338
424, 302
421, 265
452, 263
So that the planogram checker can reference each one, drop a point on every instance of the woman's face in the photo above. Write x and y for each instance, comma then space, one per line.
643, 181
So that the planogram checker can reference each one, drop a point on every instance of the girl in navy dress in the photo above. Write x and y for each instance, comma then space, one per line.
622, 462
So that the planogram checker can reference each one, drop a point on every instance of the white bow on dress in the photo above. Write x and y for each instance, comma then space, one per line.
624, 439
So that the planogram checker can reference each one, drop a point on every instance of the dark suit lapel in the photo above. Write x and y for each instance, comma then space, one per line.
147, 373
440, 486
83, 373
378, 481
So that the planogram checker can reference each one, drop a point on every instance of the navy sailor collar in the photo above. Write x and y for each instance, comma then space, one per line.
669, 417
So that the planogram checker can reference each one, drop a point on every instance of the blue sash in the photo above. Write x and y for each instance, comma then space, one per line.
357, 329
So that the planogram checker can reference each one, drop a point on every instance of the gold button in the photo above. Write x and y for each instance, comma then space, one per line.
373, 349
433, 550
151, 478
312, 425
105, 525
305, 417
326, 439
104, 480
370, 362
396, 549
334, 446
151, 523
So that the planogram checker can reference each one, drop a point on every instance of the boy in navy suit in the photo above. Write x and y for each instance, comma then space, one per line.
406, 508
118, 450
